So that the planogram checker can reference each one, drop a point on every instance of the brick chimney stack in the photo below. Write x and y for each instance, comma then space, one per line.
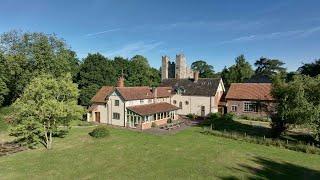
196, 76
120, 82
155, 94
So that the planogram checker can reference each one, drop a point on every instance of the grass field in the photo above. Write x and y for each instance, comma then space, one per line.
133, 155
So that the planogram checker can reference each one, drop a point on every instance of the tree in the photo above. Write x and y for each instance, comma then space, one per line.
27, 55
238, 72
205, 70
3, 86
298, 102
269, 67
140, 73
311, 69
95, 71
46, 104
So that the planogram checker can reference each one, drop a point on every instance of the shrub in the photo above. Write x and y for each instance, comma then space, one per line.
228, 117
168, 121
153, 124
99, 132
192, 117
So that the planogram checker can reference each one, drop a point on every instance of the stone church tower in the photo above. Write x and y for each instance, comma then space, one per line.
177, 69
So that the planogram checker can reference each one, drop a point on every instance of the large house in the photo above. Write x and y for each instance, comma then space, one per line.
199, 96
252, 99
133, 107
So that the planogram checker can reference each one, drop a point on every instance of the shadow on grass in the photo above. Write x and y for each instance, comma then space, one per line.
238, 127
269, 169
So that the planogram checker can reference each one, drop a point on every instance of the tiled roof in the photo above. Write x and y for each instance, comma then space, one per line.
149, 109
164, 91
250, 91
203, 87
143, 92
102, 94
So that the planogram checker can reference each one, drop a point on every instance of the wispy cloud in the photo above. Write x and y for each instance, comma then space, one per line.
134, 48
102, 32
274, 35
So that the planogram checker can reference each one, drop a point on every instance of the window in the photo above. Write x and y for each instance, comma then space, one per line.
234, 108
116, 102
141, 101
180, 105
250, 107
174, 102
116, 116
150, 100
187, 102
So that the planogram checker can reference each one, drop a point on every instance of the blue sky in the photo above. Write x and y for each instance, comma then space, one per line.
215, 31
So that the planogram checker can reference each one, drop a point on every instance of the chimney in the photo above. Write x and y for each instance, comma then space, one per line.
195, 76
155, 94
120, 82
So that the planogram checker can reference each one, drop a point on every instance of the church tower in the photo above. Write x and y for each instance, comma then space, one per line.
164, 67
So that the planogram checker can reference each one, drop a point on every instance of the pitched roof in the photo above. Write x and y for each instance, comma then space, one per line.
203, 87
149, 109
164, 91
102, 94
250, 91
143, 92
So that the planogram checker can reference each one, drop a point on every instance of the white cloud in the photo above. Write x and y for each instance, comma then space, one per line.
274, 35
102, 32
134, 48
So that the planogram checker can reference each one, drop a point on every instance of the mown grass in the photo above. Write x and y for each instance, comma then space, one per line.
134, 155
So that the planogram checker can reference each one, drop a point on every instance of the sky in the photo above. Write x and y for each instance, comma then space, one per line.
210, 30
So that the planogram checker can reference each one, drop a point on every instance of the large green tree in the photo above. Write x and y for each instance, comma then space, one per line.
205, 70
45, 104
26, 55
298, 102
269, 67
310, 69
238, 72
140, 73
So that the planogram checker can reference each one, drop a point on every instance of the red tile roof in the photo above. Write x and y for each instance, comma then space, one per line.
149, 109
143, 92
102, 94
131, 93
250, 91
164, 91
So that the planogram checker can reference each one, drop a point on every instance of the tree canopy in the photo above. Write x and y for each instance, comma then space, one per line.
238, 72
310, 69
205, 70
45, 104
269, 67
97, 71
26, 55
298, 102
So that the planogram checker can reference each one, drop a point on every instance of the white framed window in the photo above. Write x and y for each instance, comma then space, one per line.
150, 100
116, 102
234, 108
250, 107
141, 101
116, 116
187, 102
174, 102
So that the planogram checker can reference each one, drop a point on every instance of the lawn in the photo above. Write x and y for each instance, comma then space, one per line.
127, 154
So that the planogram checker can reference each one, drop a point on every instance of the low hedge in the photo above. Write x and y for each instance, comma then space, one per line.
99, 132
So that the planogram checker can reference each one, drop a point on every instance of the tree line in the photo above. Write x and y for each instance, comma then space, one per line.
47, 85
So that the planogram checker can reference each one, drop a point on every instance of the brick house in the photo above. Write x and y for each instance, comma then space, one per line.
132, 107
252, 99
